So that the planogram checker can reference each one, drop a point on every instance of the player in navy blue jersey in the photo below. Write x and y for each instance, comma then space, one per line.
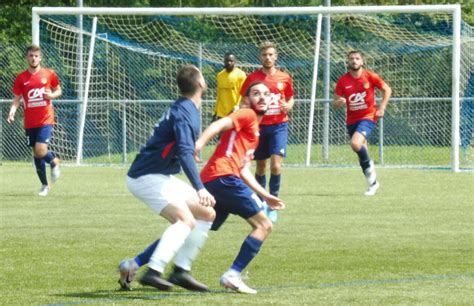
151, 179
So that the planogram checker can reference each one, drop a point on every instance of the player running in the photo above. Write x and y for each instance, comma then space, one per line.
38, 86
356, 91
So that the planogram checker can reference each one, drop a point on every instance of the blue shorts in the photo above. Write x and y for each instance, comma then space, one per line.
273, 140
232, 196
40, 134
364, 127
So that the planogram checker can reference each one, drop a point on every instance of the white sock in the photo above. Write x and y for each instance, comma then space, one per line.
172, 239
193, 244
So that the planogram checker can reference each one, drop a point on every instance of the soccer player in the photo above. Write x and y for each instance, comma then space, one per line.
229, 82
274, 125
38, 86
356, 91
188, 209
228, 178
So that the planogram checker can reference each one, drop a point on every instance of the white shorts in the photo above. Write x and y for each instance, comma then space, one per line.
158, 190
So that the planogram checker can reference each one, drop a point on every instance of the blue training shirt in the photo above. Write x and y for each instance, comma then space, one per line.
172, 144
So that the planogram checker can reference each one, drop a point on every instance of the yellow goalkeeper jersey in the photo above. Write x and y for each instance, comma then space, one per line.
228, 91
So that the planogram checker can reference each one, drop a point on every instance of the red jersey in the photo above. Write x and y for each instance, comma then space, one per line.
281, 89
360, 95
38, 111
235, 148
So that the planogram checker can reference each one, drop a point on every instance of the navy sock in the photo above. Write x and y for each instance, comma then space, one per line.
144, 257
41, 170
49, 157
262, 180
275, 184
248, 251
364, 159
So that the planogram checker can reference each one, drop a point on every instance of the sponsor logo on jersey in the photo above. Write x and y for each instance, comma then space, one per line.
357, 101
36, 104
274, 107
35, 96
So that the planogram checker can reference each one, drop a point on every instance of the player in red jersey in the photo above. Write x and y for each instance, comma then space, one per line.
228, 178
38, 86
356, 91
274, 125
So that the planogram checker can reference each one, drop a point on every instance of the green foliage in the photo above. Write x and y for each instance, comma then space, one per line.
15, 22
410, 244
15, 16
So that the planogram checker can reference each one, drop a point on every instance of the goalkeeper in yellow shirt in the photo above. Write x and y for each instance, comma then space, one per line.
229, 82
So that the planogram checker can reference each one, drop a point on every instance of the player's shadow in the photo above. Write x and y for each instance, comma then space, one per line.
338, 194
16, 195
120, 295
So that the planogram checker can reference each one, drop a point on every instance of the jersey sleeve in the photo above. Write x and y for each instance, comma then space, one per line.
218, 93
289, 93
242, 118
17, 86
242, 78
339, 88
54, 80
377, 81
185, 142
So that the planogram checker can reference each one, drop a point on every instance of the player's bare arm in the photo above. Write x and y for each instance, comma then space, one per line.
53, 94
13, 108
212, 130
387, 93
339, 102
287, 106
249, 179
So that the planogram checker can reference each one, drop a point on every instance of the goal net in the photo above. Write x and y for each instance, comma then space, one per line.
138, 52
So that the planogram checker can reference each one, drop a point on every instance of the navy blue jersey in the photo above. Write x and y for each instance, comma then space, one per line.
172, 144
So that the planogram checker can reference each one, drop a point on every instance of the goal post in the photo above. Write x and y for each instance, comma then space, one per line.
85, 97
166, 46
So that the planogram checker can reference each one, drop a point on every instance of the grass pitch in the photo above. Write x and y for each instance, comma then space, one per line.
412, 243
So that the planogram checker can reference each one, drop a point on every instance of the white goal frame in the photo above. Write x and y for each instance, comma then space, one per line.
454, 9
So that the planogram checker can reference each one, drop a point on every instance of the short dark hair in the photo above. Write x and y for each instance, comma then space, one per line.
227, 54
32, 48
247, 92
188, 77
356, 52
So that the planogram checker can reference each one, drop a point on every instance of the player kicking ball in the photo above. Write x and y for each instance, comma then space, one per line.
228, 178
